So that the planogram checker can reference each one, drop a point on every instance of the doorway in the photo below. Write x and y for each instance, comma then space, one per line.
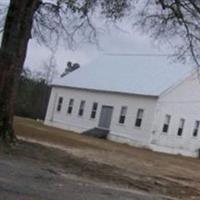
105, 117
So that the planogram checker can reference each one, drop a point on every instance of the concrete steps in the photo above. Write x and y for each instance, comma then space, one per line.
97, 132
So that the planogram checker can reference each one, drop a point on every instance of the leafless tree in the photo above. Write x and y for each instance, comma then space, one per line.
48, 21
174, 21
49, 69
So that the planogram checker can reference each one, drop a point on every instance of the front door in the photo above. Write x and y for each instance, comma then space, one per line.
105, 117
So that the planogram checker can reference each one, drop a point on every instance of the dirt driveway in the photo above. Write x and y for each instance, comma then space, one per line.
114, 164
33, 172
28, 179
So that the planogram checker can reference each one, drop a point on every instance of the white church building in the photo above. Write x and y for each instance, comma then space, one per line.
147, 105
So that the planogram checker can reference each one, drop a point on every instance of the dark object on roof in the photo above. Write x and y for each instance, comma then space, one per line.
70, 68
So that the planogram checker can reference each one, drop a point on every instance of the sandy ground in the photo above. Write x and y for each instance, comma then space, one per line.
114, 164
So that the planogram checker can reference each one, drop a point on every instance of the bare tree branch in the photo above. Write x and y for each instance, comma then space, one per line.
177, 21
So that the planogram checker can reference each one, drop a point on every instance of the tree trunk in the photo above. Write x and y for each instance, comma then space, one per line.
17, 32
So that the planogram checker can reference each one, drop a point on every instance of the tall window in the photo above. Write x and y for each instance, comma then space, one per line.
138, 121
60, 102
122, 116
181, 126
166, 123
94, 110
81, 108
70, 106
196, 128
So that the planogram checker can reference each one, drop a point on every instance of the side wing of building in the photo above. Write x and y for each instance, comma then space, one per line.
128, 117
177, 119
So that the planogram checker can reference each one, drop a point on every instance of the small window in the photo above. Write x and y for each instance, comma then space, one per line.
122, 116
181, 126
81, 108
94, 110
60, 102
138, 121
166, 123
70, 106
196, 128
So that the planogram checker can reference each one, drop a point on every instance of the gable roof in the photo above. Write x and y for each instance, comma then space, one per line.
125, 74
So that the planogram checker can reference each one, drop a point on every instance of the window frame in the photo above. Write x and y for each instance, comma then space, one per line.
70, 106
59, 104
166, 123
181, 127
122, 116
139, 119
81, 108
196, 129
94, 110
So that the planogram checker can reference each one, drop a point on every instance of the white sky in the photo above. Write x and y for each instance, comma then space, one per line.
112, 41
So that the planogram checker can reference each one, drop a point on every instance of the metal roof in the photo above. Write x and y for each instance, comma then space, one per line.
125, 74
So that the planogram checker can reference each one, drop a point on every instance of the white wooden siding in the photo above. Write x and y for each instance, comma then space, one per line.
182, 101
120, 132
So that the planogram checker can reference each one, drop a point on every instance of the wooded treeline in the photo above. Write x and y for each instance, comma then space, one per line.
33, 95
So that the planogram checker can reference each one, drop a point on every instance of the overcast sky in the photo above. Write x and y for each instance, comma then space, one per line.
112, 41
